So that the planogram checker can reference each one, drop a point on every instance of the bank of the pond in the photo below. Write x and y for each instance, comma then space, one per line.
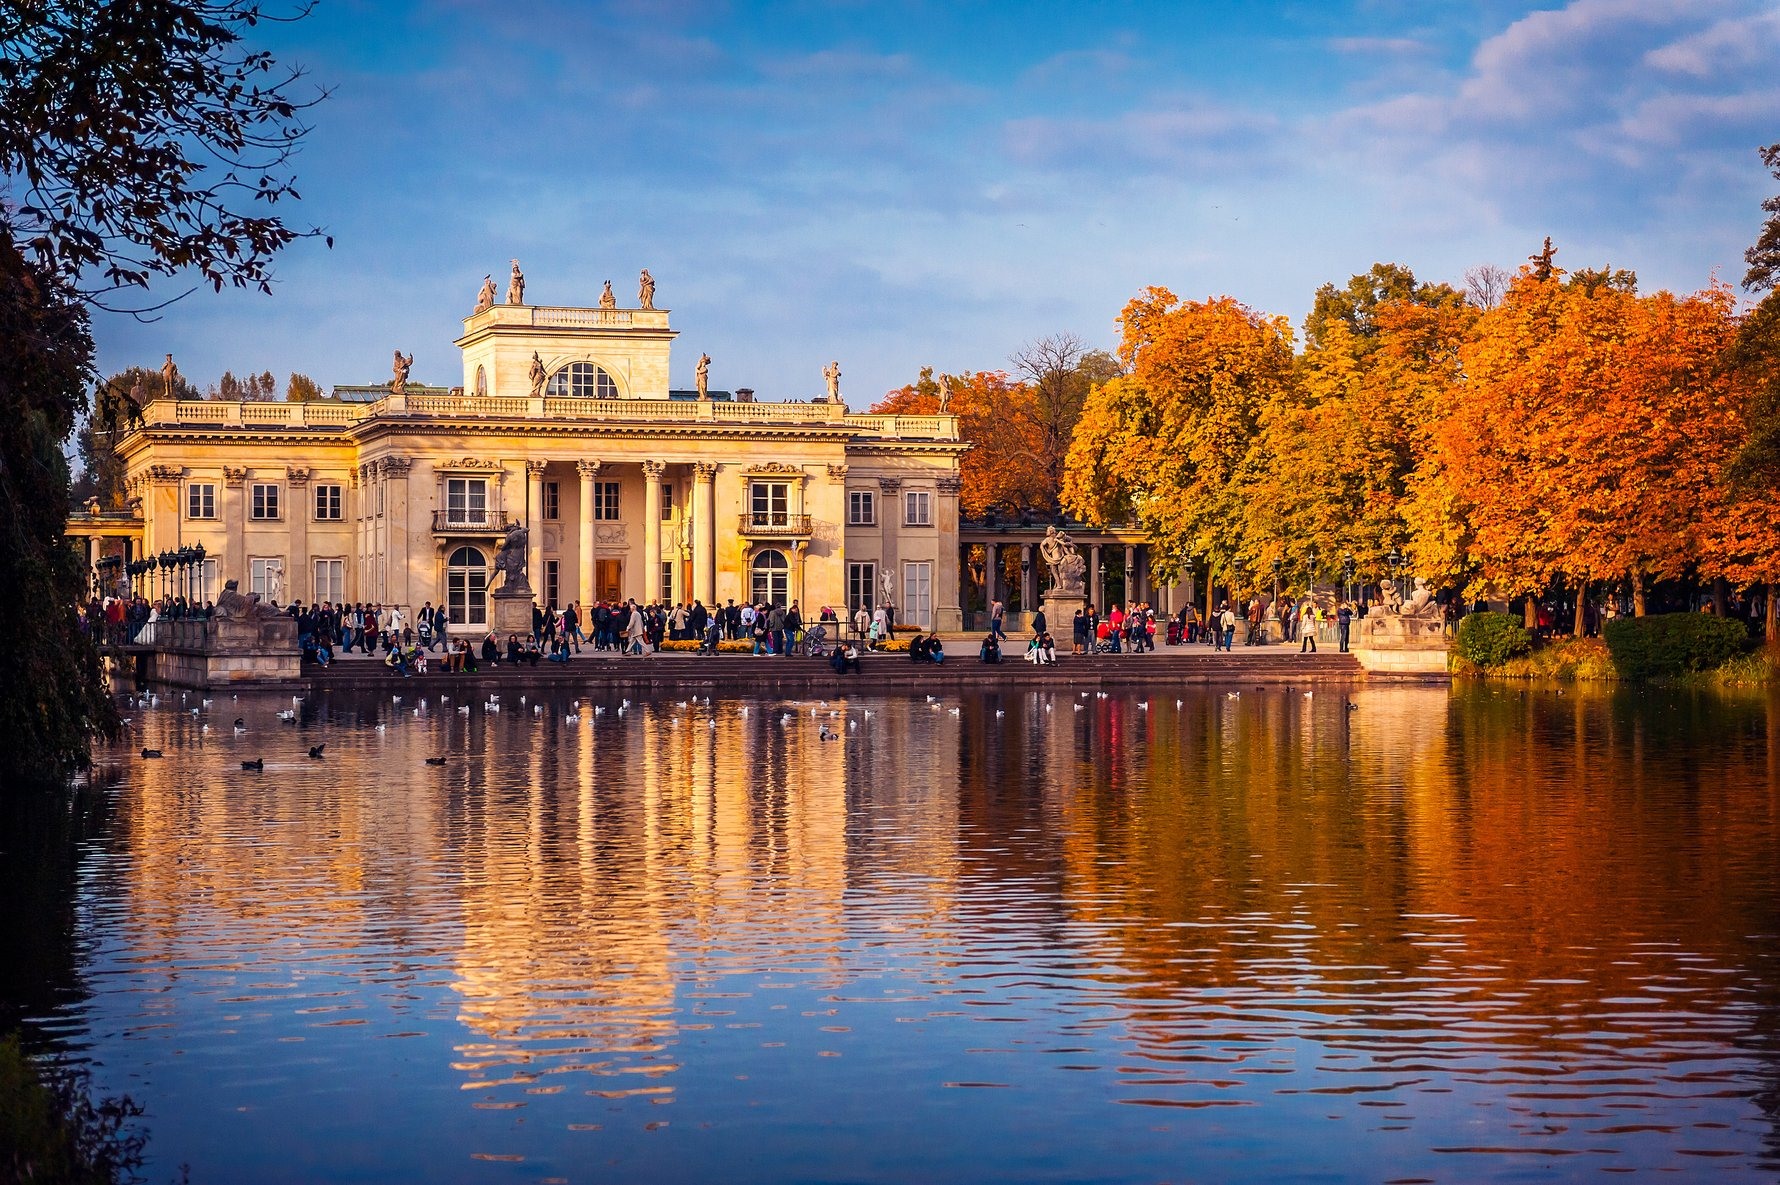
52, 1130
878, 672
1689, 648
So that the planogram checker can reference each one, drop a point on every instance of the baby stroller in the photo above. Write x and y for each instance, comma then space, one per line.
815, 641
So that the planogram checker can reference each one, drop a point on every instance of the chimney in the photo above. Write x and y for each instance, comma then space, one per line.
744, 394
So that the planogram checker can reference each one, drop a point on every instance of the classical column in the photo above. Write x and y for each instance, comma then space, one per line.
584, 560
889, 521
652, 471
1130, 574
534, 525
398, 545
234, 558
299, 572
1096, 593
704, 532
948, 613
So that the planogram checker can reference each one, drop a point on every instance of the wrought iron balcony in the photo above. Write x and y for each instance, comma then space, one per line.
774, 525
469, 522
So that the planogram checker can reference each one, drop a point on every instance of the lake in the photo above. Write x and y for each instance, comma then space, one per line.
1341, 933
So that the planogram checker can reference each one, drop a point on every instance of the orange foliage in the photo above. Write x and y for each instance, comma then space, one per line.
1004, 468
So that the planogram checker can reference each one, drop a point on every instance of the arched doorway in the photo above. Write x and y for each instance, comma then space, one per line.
466, 587
770, 578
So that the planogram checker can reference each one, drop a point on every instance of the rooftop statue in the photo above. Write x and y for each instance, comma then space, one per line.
607, 300
537, 375
646, 290
169, 374
703, 376
832, 372
516, 285
398, 383
485, 297
945, 395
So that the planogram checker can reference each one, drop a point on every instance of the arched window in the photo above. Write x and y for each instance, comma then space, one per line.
581, 380
466, 587
771, 578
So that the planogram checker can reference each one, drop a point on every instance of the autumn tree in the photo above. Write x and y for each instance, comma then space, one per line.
1163, 444
1356, 305
302, 389
1003, 470
1060, 372
1763, 257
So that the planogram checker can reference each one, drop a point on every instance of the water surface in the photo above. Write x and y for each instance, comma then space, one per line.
1368, 934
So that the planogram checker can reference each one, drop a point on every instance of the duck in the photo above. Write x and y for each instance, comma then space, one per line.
240, 725
315, 750
435, 761
257, 764
824, 734
150, 754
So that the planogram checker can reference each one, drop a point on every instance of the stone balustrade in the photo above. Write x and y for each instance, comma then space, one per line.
328, 414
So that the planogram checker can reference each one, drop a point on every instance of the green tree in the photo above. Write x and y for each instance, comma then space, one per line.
1763, 257
139, 140
101, 471
1356, 305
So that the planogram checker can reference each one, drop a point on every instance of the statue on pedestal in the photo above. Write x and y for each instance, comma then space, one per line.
509, 559
169, 374
485, 297
516, 285
607, 300
537, 375
232, 606
1066, 564
646, 290
887, 583
945, 395
702, 376
398, 384
832, 373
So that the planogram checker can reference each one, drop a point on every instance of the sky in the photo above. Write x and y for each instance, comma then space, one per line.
899, 185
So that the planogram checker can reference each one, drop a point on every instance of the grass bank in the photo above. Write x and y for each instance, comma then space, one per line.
52, 1132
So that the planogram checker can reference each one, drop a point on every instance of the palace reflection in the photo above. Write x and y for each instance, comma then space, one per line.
1229, 872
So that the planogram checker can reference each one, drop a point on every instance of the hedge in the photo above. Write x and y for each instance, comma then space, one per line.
1670, 644
1491, 639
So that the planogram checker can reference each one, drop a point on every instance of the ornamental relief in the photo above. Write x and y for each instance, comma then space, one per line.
611, 534
467, 463
774, 469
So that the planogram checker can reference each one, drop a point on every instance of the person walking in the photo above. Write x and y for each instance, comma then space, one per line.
635, 630
1344, 620
1307, 629
1226, 628
998, 621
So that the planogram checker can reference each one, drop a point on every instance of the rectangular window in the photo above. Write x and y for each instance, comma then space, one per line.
330, 581
667, 502
265, 500
667, 582
605, 501
330, 501
200, 500
862, 588
265, 576
917, 595
769, 503
862, 508
919, 508
207, 585
466, 501
552, 500
552, 583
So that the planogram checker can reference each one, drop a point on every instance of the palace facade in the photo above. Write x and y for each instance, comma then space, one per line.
401, 494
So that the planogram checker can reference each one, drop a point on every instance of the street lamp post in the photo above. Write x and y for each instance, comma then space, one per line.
1278, 566
1347, 577
203, 577
1395, 559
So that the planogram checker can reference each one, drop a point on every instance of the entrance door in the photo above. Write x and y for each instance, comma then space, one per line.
608, 580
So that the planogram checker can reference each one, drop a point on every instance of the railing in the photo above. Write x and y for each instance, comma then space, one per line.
436, 403
465, 522
784, 526
581, 318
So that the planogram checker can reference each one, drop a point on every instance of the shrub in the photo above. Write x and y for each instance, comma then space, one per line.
1670, 644
680, 644
1491, 639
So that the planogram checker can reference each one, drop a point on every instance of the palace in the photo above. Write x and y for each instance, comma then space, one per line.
565, 422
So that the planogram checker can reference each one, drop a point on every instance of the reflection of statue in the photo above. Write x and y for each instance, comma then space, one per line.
887, 582
169, 374
832, 372
607, 300
703, 376
399, 383
646, 290
510, 559
232, 606
485, 298
945, 395
537, 375
516, 285
1065, 563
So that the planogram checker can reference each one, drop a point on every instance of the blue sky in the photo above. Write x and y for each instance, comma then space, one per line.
899, 185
